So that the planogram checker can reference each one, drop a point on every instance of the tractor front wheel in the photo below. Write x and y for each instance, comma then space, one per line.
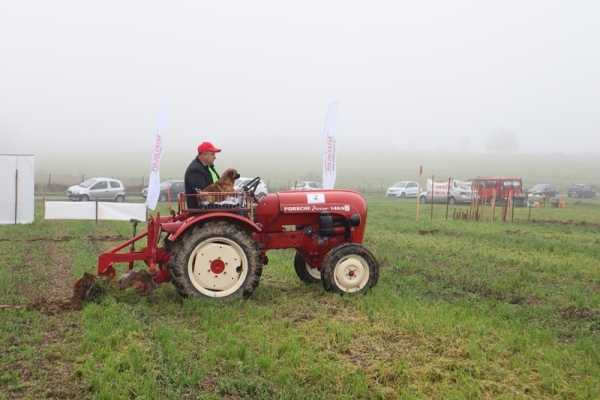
217, 260
305, 272
349, 268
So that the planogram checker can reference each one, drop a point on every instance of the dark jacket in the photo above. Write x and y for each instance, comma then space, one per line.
197, 177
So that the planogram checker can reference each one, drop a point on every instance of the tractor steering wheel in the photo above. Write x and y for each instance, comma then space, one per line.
251, 186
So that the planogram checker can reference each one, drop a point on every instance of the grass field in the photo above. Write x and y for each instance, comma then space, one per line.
368, 171
463, 309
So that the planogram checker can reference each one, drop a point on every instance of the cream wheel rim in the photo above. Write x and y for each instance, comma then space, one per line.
218, 267
352, 273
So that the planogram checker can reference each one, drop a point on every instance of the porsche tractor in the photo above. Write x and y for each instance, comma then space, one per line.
219, 250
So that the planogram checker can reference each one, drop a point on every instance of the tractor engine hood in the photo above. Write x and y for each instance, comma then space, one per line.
336, 201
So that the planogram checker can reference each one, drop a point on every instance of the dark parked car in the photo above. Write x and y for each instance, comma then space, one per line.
544, 189
581, 190
174, 186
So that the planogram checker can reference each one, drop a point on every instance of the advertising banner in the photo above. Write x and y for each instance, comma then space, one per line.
157, 151
330, 146
95, 210
440, 187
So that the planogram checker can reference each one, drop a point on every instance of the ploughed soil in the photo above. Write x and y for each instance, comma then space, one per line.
90, 289
566, 223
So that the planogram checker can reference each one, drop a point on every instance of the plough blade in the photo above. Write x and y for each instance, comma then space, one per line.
140, 280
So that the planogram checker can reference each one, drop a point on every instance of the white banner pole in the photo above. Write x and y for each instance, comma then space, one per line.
157, 150
330, 146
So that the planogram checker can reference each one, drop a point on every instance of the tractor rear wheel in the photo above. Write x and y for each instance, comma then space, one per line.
216, 260
305, 272
349, 268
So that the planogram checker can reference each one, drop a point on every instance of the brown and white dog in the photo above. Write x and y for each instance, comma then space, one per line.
223, 185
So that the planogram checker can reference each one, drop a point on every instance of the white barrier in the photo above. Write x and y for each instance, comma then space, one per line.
17, 188
94, 210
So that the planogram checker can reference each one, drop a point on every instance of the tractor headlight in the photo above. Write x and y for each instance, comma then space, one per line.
355, 220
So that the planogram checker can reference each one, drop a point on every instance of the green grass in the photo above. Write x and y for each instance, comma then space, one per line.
463, 309
369, 171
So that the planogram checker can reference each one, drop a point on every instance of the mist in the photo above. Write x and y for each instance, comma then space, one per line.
82, 81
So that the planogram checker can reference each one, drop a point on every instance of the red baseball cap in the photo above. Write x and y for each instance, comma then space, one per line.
207, 146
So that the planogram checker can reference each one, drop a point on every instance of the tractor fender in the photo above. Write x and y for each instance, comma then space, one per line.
237, 219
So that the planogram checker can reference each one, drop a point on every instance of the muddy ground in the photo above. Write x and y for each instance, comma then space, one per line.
89, 289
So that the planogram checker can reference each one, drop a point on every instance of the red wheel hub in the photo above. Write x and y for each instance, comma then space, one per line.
217, 266
351, 273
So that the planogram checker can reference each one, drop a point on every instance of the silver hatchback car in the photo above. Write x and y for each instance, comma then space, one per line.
101, 189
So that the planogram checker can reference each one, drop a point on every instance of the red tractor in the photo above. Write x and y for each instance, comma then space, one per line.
218, 251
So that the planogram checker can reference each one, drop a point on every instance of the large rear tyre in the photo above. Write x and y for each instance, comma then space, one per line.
305, 272
349, 268
217, 260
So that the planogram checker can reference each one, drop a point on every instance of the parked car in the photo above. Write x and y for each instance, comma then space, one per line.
102, 189
455, 197
581, 190
261, 189
169, 188
307, 185
403, 189
437, 191
544, 189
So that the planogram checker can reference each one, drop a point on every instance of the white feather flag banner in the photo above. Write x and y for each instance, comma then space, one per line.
157, 150
330, 146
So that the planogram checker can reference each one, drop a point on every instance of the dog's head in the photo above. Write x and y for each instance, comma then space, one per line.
231, 174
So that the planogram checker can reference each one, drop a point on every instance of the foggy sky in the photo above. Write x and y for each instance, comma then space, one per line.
92, 75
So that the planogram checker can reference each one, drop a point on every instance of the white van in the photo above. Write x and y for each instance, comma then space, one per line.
102, 189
